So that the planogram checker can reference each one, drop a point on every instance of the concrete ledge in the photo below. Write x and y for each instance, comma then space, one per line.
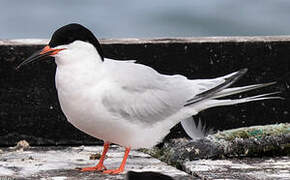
217, 39
29, 106
265, 168
60, 163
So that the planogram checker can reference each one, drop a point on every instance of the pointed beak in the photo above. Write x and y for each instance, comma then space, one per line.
40, 55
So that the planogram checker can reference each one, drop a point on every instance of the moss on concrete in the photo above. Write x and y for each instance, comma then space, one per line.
253, 132
162, 154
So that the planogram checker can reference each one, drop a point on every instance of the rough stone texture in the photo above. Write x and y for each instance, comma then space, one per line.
274, 168
29, 107
60, 163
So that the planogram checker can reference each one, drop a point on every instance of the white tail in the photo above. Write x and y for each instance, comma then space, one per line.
193, 130
210, 98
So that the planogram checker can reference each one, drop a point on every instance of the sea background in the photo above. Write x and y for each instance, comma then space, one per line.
146, 19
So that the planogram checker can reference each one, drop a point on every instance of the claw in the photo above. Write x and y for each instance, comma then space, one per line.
113, 171
99, 167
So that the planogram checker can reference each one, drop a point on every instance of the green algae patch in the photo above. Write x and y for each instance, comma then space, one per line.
162, 154
268, 140
253, 132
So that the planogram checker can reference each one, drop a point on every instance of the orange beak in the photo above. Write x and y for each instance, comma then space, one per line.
47, 49
39, 55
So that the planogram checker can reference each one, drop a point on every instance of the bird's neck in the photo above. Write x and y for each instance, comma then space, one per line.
84, 72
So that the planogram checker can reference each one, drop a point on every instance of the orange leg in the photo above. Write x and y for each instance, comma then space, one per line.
122, 166
100, 166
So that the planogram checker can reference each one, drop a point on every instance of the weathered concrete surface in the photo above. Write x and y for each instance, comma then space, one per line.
29, 106
274, 168
60, 163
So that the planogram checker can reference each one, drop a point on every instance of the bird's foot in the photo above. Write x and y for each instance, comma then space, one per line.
113, 171
99, 167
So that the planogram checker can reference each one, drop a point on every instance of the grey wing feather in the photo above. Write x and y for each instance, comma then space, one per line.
211, 92
144, 95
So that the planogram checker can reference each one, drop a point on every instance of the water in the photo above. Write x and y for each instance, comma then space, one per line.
150, 18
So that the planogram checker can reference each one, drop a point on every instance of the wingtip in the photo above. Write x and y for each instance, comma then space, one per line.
271, 83
17, 68
243, 71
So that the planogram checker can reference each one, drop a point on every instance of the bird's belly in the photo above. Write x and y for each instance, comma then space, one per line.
90, 116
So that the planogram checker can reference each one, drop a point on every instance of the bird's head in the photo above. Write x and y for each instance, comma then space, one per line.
66, 40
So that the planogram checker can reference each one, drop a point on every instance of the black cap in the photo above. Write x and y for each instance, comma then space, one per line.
72, 32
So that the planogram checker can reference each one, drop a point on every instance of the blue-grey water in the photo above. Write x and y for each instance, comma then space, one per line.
148, 18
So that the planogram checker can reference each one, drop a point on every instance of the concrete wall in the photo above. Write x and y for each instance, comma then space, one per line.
29, 106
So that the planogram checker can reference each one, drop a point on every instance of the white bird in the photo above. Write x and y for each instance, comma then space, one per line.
126, 103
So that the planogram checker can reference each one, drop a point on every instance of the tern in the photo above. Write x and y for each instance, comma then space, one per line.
127, 103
